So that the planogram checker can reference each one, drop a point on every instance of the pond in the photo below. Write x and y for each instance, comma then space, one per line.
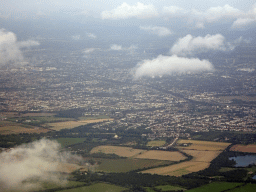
244, 161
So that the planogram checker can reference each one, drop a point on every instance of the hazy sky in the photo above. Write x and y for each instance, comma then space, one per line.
97, 6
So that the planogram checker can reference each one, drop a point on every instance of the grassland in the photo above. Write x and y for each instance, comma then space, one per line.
203, 145
101, 187
169, 188
125, 165
120, 151
70, 141
246, 188
72, 124
179, 169
157, 143
7, 127
216, 187
244, 148
162, 155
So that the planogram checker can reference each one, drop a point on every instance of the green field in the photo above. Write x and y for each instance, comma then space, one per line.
125, 165
157, 143
216, 187
247, 188
99, 187
70, 141
169, 188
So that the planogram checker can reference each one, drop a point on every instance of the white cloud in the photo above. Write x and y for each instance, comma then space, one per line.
225, 12
160, 31
89, 50
25, 167
126, 11
76, 37
91, 35
174, 10
190, 45
168, 65
10, 48
116, 47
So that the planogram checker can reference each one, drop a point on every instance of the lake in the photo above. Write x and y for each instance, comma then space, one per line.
244, 161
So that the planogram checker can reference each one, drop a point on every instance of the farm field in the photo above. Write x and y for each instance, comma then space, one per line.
244, 148
203, 153
203, 156
7, 127
162, 155
102, 187
246, 188
169, 188
243, 98
203, 145
69, 141
179, 169
156, 143
72, 124
216, 187
120, 151
125, 165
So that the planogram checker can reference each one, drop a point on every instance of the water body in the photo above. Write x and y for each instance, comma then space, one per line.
243, 161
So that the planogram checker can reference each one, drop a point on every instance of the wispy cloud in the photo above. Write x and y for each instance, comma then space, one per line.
25, 167
160, 31
10, 48
116, 47
91, 35
125, 11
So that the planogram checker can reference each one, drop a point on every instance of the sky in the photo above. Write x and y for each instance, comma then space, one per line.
189, 27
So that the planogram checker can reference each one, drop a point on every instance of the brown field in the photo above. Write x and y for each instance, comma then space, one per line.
7, 127
203, 145
162, 155
202, 156
179, 169
120, 151
244, 148
203, 153
72, 124
243, 98
68, 167
37, 114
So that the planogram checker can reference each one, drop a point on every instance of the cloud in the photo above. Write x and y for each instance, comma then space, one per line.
89, 50
116, 47
160, 31
25, 167
168, 65
190, 45
10, 48
91, 35
126, 11
76, 37
243, 22
174, 11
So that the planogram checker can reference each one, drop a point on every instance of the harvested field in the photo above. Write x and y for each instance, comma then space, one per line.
7, 127
72, 124
37, 114
156, 143
162, 155
120, 151
244, 148
202, 156
179, 169
125, 165
203, 145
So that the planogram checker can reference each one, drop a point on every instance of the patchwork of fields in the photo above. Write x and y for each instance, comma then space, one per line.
72, 124
203, 153
244, 148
